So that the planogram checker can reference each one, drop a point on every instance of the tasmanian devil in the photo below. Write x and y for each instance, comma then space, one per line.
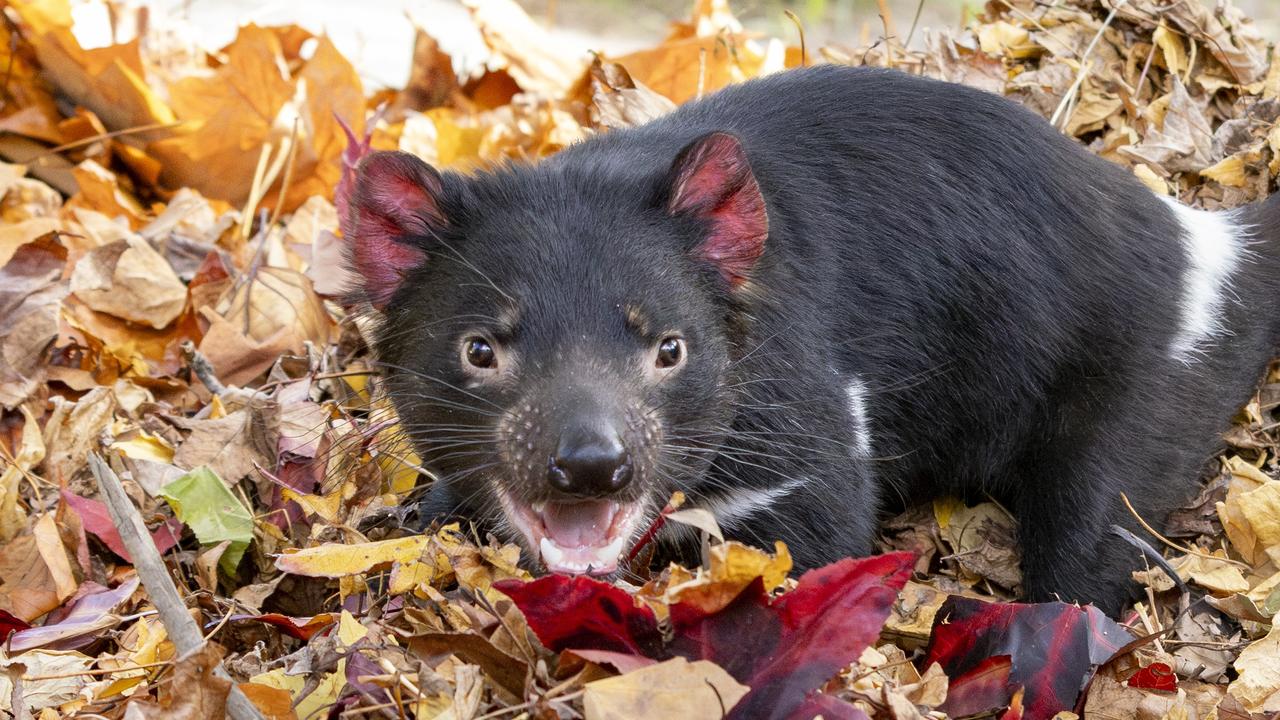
801, 301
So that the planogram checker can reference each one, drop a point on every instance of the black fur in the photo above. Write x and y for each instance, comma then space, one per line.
1008, 299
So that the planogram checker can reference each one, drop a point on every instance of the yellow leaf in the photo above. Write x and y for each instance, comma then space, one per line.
318, 702
1214, 574
145, 447
1258, 687
337, 560
1170, 44
733, 566
349, 629
1003, 38
1229, 171
676, 688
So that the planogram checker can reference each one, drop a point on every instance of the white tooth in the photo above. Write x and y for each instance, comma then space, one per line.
539, 506
612, 551
552, 556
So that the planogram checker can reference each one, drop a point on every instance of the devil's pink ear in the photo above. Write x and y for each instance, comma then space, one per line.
393, 206
712, 180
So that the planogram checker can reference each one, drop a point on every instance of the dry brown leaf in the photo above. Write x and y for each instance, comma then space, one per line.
72, 431
672, 689
30, 290
685, 69
1258, 687
65, 675
524, 49
194, 693
108, 80
618, 101
35, 571
232, 446
29, 453
130, 280
1183, 142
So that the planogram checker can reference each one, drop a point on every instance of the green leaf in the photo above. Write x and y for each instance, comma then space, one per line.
202, 501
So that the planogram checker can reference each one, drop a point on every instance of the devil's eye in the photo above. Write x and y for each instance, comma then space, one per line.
479, 353
671, 352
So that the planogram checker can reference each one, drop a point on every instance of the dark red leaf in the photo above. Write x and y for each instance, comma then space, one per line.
301, 628
827, 707
1156, 676
783, 649
1053, 647
800, 640
571, 613
981, 689
10, 624
95, 519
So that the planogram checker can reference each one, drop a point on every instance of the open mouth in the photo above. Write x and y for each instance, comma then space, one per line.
577, 537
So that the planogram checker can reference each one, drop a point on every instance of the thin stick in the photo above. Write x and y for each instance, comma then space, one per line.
202, 368
182, 629
886, 17
96, 671
1084, 65
804, 56
288, 175
915, 22
1188, 550
106, 136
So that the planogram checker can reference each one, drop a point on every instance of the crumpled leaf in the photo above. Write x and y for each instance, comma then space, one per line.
30, 452
92, 613
194, 693
130, 280
1053, 647
675, 688
35, 572
30, 290
72, 430
1183, 142
65, 673
523, 48
202, 501
1258, 687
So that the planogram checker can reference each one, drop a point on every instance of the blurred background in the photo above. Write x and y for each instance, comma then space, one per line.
377, 35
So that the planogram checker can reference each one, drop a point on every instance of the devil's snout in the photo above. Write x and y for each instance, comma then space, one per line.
590, 460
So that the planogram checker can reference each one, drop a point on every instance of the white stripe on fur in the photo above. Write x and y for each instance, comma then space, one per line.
1214, 243
856, 391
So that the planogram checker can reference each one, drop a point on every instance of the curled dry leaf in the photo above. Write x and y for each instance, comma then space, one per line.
674, 688
130, 280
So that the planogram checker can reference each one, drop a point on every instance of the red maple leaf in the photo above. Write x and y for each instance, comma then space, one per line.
783, 648
1053, 648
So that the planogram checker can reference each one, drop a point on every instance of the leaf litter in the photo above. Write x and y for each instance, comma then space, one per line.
169, 299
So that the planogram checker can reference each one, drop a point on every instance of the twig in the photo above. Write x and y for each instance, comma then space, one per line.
202, 368
886, 18
1151, 554
182, 629
915, 21
1188, 550
107, 136
1084, 66
288, 175
804, 56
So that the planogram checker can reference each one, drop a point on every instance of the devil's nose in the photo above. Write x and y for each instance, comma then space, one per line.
589, 461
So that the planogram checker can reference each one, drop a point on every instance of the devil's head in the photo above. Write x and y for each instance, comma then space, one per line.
557, 338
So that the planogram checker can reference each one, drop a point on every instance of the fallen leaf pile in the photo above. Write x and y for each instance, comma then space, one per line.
170, 268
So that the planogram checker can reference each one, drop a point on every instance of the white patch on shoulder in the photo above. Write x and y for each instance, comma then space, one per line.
739, 505
857, 392
1214, 243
